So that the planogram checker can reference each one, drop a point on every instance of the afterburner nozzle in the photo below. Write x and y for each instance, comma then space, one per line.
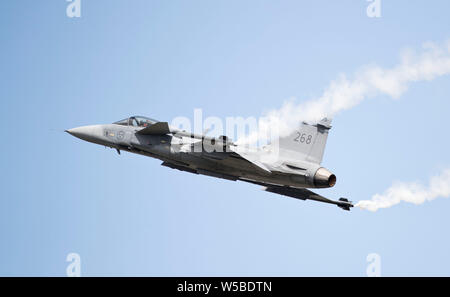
324, 178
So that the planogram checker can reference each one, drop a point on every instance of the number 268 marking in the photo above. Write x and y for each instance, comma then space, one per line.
303, 138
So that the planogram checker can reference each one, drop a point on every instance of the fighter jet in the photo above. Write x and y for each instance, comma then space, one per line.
295, 168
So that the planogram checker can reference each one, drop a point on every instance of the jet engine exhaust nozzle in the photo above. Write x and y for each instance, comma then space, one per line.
324, 178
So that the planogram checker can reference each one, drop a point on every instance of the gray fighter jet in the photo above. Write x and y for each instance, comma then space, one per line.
295, 168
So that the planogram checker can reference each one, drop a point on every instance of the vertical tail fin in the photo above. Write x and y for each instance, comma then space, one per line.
308, 142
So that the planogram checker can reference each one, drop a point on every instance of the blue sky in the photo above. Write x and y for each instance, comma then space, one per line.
127, 215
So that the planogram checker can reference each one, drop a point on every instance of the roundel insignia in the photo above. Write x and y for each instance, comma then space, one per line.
120, 134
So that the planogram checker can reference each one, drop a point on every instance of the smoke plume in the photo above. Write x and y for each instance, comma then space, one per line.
432, 61
413, 192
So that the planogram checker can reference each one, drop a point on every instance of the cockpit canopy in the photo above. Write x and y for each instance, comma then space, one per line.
136, 121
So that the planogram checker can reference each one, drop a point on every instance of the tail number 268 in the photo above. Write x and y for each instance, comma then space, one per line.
303, 138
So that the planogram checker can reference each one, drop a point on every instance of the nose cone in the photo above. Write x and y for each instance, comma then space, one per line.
79, 132
87, 133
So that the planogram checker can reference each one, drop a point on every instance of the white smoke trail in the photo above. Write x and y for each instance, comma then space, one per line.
342, 94
413, 192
